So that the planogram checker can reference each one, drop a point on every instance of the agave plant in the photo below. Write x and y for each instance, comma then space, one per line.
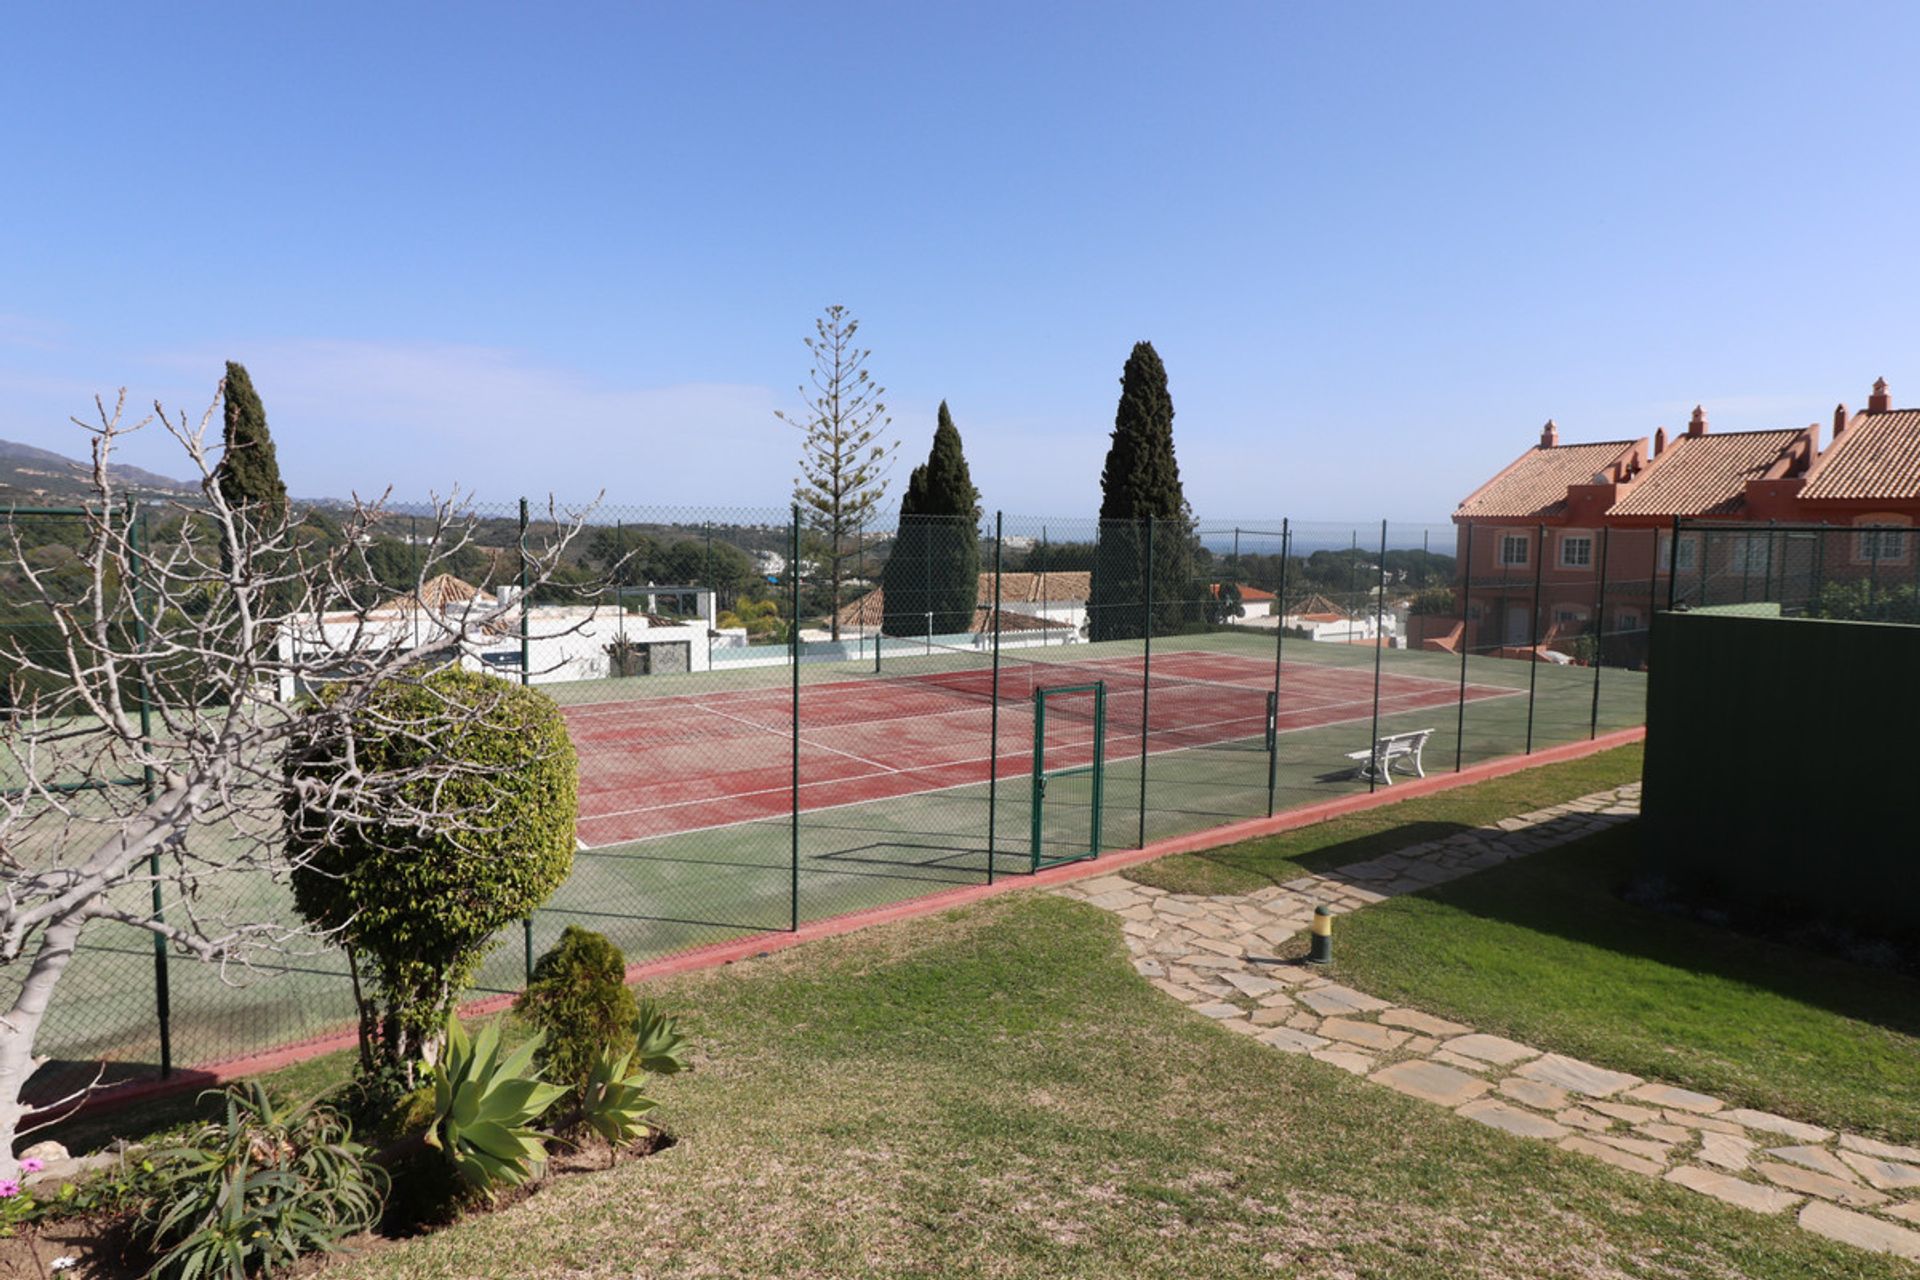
659, 1047
485, 1105
613, 1103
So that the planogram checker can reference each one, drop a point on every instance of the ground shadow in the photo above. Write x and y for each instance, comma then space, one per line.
1575, 891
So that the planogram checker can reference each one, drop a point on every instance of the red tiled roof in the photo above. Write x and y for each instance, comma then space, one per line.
1535, 485
1703, 475
1876, 457
1248, 594
1067, 587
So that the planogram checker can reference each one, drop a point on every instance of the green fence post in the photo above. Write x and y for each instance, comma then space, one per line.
1038, 785
1599, 632
993, 730
1466, 595
1146, 683
793, 658
1533, 648
526, 679
1379, 645
1873, 567
1099, 759
162, 984
1673, 575
1279, 645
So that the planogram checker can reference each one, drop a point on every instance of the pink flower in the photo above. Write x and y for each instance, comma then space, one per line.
31, 1165
8, 1188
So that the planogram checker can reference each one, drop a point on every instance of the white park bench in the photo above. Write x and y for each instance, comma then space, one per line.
1392, 749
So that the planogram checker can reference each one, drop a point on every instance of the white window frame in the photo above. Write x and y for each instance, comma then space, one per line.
1892, 539
1585, 542
1509, 541
1689, 558
1571, 615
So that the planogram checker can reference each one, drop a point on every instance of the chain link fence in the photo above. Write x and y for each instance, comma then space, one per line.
778, 722
1865, 573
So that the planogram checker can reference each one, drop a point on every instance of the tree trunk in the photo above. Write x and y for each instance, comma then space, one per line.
22, 1025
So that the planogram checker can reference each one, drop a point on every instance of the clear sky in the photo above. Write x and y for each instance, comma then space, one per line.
572, 246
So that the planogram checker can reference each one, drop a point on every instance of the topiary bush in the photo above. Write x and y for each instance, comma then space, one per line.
475, 830
579, 999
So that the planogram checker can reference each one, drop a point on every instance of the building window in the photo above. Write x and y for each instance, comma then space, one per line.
1514, 550
1576, 551
1689, 557
1626, 620
1879, 546
1568, 615
1746, 553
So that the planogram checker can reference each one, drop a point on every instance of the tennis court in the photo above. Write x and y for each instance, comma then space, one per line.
693, 761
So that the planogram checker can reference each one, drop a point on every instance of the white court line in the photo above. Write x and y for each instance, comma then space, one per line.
616, 705
884, 770
956, 786
787, 729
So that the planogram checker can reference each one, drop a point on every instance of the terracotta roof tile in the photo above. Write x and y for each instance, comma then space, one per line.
1703, 475
1066, 587
1877, 457
1535, 485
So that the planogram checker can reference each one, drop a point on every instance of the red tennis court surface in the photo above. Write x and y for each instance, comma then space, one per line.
658, 766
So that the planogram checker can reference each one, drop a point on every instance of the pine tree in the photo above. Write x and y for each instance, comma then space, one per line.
844, 452
934, 567
249, 473
1141, 484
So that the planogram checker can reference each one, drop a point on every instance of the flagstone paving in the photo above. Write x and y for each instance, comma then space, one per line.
1213, 953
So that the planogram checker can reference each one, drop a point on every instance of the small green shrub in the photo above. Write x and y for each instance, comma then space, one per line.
470, 789
257, 1190
484, 1107
579, 1000
1434, 600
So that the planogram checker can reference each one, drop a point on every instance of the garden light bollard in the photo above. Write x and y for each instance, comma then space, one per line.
1322, 948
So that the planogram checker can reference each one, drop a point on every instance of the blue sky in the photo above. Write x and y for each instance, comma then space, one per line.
572, 247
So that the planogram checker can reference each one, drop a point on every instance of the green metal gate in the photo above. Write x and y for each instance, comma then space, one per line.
1066, 800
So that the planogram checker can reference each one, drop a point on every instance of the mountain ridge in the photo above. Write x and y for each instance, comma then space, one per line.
30, 472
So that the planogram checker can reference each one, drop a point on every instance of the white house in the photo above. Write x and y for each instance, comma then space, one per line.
551, 643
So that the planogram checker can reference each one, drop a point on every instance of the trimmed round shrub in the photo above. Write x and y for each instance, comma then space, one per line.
461, 822
579, 997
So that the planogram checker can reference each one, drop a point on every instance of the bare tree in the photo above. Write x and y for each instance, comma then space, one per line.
844, 452
150, 741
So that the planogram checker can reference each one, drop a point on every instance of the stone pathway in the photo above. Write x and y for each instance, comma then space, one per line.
1215, 955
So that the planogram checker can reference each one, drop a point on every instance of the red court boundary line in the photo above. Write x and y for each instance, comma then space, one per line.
715, 954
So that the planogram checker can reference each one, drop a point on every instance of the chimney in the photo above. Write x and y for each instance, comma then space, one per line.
1698, 425
1879, 401
1659, 441
1549, 435
1839, 420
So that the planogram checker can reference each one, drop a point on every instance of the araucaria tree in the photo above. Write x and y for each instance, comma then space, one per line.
1141, 504
932, 576
149, 755
844, 450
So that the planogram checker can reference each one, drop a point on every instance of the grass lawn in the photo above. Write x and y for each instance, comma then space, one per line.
1544, 950
995, 1092
1254, 864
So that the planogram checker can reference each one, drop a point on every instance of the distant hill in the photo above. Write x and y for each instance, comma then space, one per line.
29, 475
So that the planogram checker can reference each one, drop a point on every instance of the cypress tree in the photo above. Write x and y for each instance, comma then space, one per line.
935, 564
1141, 482
249, 473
